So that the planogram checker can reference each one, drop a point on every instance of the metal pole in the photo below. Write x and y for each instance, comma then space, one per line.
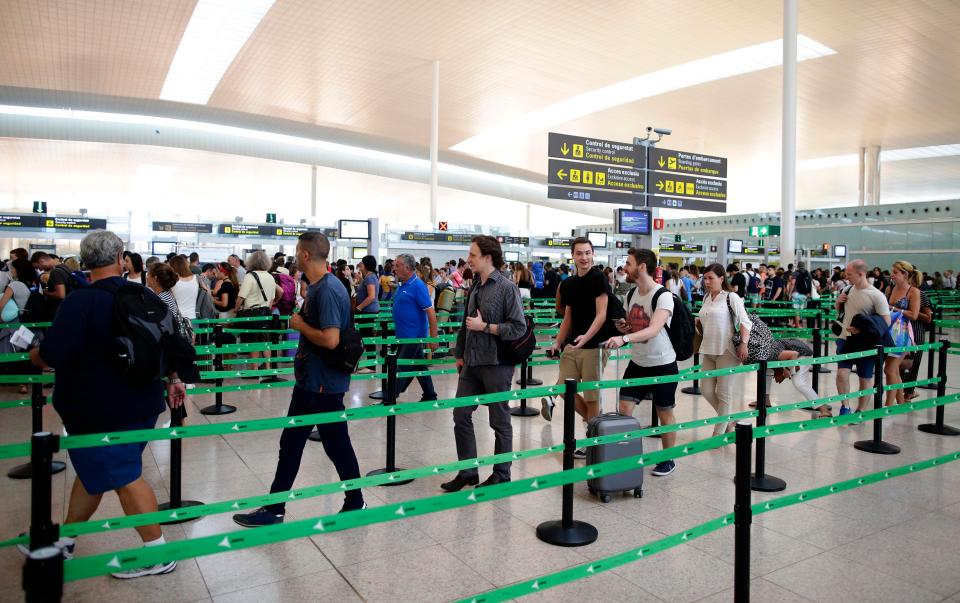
695, 388
43, 575
760, 481
384, 352
930, 361
788, 172
742, 515
523, 410
939, 428
434, 143
391, 400
877, 445
218, 408
176, 473
567, 531
43, 532
818, 342
815, 373
276, 338
37, 402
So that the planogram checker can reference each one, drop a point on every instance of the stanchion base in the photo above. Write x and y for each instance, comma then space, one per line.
823, 371
580, 533
880, 447
398, 482
213, 409
183, 503
938, 429
530, 382
766, 483
272, 379
928, 386
694, 391
25, 471
314, 436
377, 395
524, 411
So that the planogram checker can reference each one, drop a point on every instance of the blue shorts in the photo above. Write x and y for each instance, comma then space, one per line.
105, 468
864, 366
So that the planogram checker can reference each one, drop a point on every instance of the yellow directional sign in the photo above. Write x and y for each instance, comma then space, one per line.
578, 151
684, 162
595, 150
564, 149
688, 186
598, 176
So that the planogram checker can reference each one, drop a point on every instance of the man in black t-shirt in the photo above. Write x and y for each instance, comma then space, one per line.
584, 301
59, 280
551, 280
737, 280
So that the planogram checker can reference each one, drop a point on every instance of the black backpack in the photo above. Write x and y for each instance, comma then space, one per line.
615, 312
804, 284
345, 358
37, 309
681, 328
146, 344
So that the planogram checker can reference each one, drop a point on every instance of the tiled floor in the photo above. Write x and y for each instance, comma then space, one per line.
893, 541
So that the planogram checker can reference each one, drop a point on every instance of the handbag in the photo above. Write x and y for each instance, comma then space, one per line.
760, 344
900, 329
259, 311
697, 337
836, 327
10, 311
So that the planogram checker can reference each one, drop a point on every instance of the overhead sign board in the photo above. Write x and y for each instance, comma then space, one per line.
680, 203
752, 250
439, 237
765, 230
682, 162
609, 152
513, 240
182, 227
36, 222
597, 196
688, 186
681, 248
264, 230
571, 173
557, 242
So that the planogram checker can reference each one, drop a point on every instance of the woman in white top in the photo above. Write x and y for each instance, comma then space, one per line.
675, 286
186, 289
721, 309
22, 276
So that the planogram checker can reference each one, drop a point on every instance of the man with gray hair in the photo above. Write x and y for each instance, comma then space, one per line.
80, 346
414, 317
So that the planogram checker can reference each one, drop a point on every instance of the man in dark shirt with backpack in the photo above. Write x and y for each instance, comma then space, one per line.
80, 345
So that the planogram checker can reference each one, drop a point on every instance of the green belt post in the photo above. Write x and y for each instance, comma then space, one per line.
43, 575
877, 445
43, 532
939, 428
523, 410
218, 408
37, 402
742, 514
760, 481
930, 361
176, 460
391, 443
694, 388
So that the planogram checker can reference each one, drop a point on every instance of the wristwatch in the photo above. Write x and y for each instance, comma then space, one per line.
625, 340
486, 327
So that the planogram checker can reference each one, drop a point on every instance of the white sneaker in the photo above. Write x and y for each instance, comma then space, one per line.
153, 570
65, 544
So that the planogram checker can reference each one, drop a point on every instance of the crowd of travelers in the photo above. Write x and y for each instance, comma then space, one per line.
92, 300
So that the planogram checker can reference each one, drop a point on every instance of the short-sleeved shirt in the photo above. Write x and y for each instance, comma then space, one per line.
580, 293
863, 301
374, 306
456, 277
774, 284
251, 294
409, 308
639, 308
91, 395
551, 280
326, 306
739, 284
60, 275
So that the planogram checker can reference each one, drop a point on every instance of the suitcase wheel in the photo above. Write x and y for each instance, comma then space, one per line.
605, 498
638, 493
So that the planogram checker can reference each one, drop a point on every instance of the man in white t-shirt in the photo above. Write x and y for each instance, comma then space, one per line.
859, 298
649, 310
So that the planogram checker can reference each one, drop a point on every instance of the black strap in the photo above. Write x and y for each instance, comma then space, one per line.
262, 292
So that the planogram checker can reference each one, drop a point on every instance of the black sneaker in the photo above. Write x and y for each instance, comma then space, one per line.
580, 453
664, 468
459, 483
259, 518
346, 508
493, 480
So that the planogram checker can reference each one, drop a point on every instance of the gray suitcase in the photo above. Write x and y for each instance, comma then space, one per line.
607, 424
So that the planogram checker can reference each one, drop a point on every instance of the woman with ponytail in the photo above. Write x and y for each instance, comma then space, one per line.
904, 298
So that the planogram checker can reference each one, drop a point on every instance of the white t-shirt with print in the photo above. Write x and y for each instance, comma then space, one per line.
657, 351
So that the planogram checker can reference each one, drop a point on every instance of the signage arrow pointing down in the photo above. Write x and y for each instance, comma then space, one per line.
564, 149
660, 162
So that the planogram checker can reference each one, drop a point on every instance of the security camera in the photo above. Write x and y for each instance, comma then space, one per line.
662, 131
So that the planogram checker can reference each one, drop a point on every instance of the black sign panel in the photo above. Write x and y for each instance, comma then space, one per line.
513, 240
752, 250
28, 222
682, 162
681, 248
264, 230
439, 237
597, 196
557, 242
688, 186
692, 204
571, 173
580, 148
182, 227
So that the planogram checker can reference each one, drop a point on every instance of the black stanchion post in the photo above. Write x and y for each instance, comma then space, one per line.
43, 532
218, 408
695, 388
567, 531
930, 360
523, 410
939, 428
742, 515
877, 445
37, 402
760, 481
818, 343
176, 461
384, 352
391, 400
275, 338
43, 575
815, 374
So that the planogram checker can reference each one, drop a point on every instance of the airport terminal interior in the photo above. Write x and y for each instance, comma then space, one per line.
326, 301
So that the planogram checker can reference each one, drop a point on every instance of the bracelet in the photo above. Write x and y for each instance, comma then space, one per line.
173, 381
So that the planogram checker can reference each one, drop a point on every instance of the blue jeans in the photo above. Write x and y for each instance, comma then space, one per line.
336, 443
414, 351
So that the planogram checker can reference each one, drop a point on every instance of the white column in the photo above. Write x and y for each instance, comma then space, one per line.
862, 175
788, 174
528, 218
872, 169
313, 193
434, 136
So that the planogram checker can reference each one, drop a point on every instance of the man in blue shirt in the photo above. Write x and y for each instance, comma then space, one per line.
412, 314
319, 387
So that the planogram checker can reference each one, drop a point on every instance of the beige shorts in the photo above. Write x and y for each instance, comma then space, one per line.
583, 365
